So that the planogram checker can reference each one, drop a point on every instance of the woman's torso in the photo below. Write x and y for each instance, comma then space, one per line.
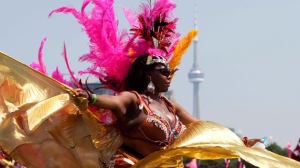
156, 128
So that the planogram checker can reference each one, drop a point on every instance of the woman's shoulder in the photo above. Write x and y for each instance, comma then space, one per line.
133, 95
127, 93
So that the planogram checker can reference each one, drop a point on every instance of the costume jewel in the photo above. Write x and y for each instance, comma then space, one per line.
141, 106
157, 59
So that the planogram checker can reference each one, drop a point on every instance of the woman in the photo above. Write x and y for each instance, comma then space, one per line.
142, 107
149, 121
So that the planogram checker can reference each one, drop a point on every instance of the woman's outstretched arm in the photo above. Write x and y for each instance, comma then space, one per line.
118, 104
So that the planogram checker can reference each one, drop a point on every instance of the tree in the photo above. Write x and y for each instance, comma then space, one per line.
278, 150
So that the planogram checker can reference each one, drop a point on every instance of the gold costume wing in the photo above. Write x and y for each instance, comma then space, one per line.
43, 125
208, 140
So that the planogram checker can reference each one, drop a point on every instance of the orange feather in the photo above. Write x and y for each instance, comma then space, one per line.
180, 48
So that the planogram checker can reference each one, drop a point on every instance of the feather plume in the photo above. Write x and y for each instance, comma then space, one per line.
156, 26
57, 75
106, 45
112, 52
40, 66
68, 67
180, 48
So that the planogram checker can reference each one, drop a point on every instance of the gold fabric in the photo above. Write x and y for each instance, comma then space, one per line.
42, 125
208, 140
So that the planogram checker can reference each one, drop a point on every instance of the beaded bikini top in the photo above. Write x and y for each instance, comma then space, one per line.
155, 128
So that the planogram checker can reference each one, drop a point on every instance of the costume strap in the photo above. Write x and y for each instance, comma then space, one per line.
140, 102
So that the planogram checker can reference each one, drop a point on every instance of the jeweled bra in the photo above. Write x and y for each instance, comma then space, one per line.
162, 123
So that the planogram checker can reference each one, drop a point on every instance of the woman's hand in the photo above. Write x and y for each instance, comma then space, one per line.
83, 93
250, 142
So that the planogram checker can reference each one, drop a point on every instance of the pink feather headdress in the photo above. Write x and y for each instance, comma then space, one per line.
112, 52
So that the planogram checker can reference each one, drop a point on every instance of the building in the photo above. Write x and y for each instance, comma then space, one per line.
196, 76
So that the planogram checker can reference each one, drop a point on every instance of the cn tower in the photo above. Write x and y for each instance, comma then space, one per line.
196, 76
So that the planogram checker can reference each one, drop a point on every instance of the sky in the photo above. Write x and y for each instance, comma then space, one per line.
249, 52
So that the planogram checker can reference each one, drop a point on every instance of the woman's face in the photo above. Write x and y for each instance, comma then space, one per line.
160, 77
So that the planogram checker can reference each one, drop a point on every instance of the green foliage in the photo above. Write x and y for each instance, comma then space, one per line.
278, 150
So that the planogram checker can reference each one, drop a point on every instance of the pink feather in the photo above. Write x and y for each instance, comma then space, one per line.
40, 66
68, 67
59, 77
109, 49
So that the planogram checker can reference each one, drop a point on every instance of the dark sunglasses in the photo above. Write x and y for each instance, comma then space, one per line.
164, 71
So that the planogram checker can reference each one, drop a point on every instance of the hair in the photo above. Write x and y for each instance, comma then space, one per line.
137, 79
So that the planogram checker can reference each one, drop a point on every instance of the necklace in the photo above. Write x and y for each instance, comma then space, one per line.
149, 100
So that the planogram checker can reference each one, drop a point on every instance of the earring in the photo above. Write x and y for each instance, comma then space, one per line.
150, 86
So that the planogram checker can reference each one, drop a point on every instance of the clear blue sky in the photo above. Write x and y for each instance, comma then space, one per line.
248, 50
